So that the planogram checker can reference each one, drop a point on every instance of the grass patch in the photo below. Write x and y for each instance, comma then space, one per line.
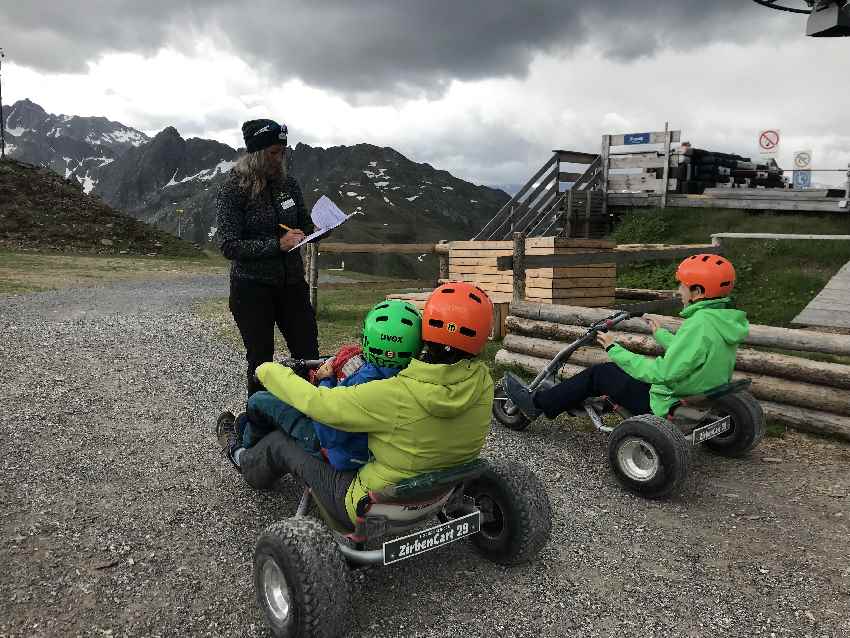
776, 279
22, 272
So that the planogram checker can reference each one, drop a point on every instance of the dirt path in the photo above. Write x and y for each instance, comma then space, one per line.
119, 517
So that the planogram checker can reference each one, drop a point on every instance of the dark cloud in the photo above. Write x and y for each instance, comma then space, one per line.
373, 46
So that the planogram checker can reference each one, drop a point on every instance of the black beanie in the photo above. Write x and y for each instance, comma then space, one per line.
260, 134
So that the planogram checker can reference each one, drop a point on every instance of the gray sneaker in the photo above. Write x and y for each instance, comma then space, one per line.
520, 396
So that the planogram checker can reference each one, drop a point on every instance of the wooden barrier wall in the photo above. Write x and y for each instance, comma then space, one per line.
804, 394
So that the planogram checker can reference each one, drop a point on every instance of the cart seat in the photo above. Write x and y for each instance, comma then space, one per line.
709, 396
406, 504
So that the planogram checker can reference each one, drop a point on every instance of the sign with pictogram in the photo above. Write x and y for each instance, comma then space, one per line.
769, 141
802, 179
802, 160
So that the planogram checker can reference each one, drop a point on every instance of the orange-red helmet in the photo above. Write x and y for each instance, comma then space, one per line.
715, 274
459, 315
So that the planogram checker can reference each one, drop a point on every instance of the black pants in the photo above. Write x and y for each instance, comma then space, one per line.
276, 454
258, 307
605, 379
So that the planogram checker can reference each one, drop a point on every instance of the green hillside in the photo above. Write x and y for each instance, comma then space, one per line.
776, 279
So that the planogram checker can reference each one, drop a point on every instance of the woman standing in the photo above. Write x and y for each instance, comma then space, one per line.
260, 217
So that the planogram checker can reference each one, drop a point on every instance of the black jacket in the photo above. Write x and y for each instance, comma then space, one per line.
249, 230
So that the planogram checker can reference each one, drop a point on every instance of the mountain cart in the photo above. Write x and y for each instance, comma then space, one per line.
301, 564
649, 455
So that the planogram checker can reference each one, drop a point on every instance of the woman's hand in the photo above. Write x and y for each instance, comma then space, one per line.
605, 339
653, 322
325, 370
290, 239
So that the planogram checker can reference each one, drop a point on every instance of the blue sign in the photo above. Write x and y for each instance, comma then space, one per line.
636, 138
802, 179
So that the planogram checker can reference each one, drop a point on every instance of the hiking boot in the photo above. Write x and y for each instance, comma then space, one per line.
225, 434
520, 396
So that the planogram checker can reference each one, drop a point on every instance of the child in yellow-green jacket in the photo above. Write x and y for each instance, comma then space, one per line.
434, 414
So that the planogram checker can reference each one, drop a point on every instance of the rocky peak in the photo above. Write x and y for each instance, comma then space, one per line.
23, 114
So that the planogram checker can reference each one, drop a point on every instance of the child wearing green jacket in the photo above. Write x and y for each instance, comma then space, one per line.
700, 356
435, 414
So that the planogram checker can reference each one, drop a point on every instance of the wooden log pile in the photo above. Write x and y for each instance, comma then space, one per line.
797, 391
701, 169
590, 285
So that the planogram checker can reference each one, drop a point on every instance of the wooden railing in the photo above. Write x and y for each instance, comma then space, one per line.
312, 263
519, 262
536, 208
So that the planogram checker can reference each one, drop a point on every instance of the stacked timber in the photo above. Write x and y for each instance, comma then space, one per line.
793, 389
589, 285
701, 169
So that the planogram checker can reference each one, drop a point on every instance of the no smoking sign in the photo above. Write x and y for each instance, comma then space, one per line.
769, 142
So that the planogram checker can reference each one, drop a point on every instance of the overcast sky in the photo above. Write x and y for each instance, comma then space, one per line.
484, 89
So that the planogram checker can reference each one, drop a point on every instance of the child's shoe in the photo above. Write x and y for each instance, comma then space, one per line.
521, 397
225, 433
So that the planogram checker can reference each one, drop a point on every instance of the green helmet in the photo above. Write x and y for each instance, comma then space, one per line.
392, 333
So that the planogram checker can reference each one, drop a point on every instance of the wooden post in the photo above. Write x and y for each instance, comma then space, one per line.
443, 258
587, 214
568, 226
666, 178
847, 190
313, 261
519, 268
606, 150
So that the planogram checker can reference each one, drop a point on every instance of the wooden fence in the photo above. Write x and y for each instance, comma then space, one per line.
311, 265
792, 389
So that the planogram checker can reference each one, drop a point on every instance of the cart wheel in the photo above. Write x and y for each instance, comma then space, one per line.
511, 418
648, 455
300, 579
747, 424
516, 515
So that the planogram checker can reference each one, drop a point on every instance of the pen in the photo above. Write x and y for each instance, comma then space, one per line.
284, 226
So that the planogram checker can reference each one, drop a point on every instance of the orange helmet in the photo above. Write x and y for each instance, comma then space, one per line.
715, 274
459, 315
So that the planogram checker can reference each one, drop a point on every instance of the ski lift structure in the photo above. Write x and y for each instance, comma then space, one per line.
827, 18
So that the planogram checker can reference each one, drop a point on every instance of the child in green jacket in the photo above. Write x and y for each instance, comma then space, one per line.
435, 414
700, 356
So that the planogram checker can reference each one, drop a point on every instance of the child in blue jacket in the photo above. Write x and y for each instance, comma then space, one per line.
392, 336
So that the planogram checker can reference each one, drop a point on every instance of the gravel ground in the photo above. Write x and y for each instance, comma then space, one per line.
120, 518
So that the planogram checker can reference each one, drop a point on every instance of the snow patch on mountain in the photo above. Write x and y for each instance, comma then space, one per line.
88, 183
205, 174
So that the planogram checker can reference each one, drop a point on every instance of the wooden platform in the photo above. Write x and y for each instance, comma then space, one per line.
744, 199
831, 308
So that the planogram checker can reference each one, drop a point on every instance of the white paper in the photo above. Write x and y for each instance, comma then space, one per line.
326, 216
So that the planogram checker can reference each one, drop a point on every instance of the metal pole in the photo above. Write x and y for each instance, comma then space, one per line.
313, 251
2, 114
847, 189
666, 175
846, 202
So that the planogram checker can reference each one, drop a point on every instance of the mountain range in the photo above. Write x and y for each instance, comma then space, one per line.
172, 182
